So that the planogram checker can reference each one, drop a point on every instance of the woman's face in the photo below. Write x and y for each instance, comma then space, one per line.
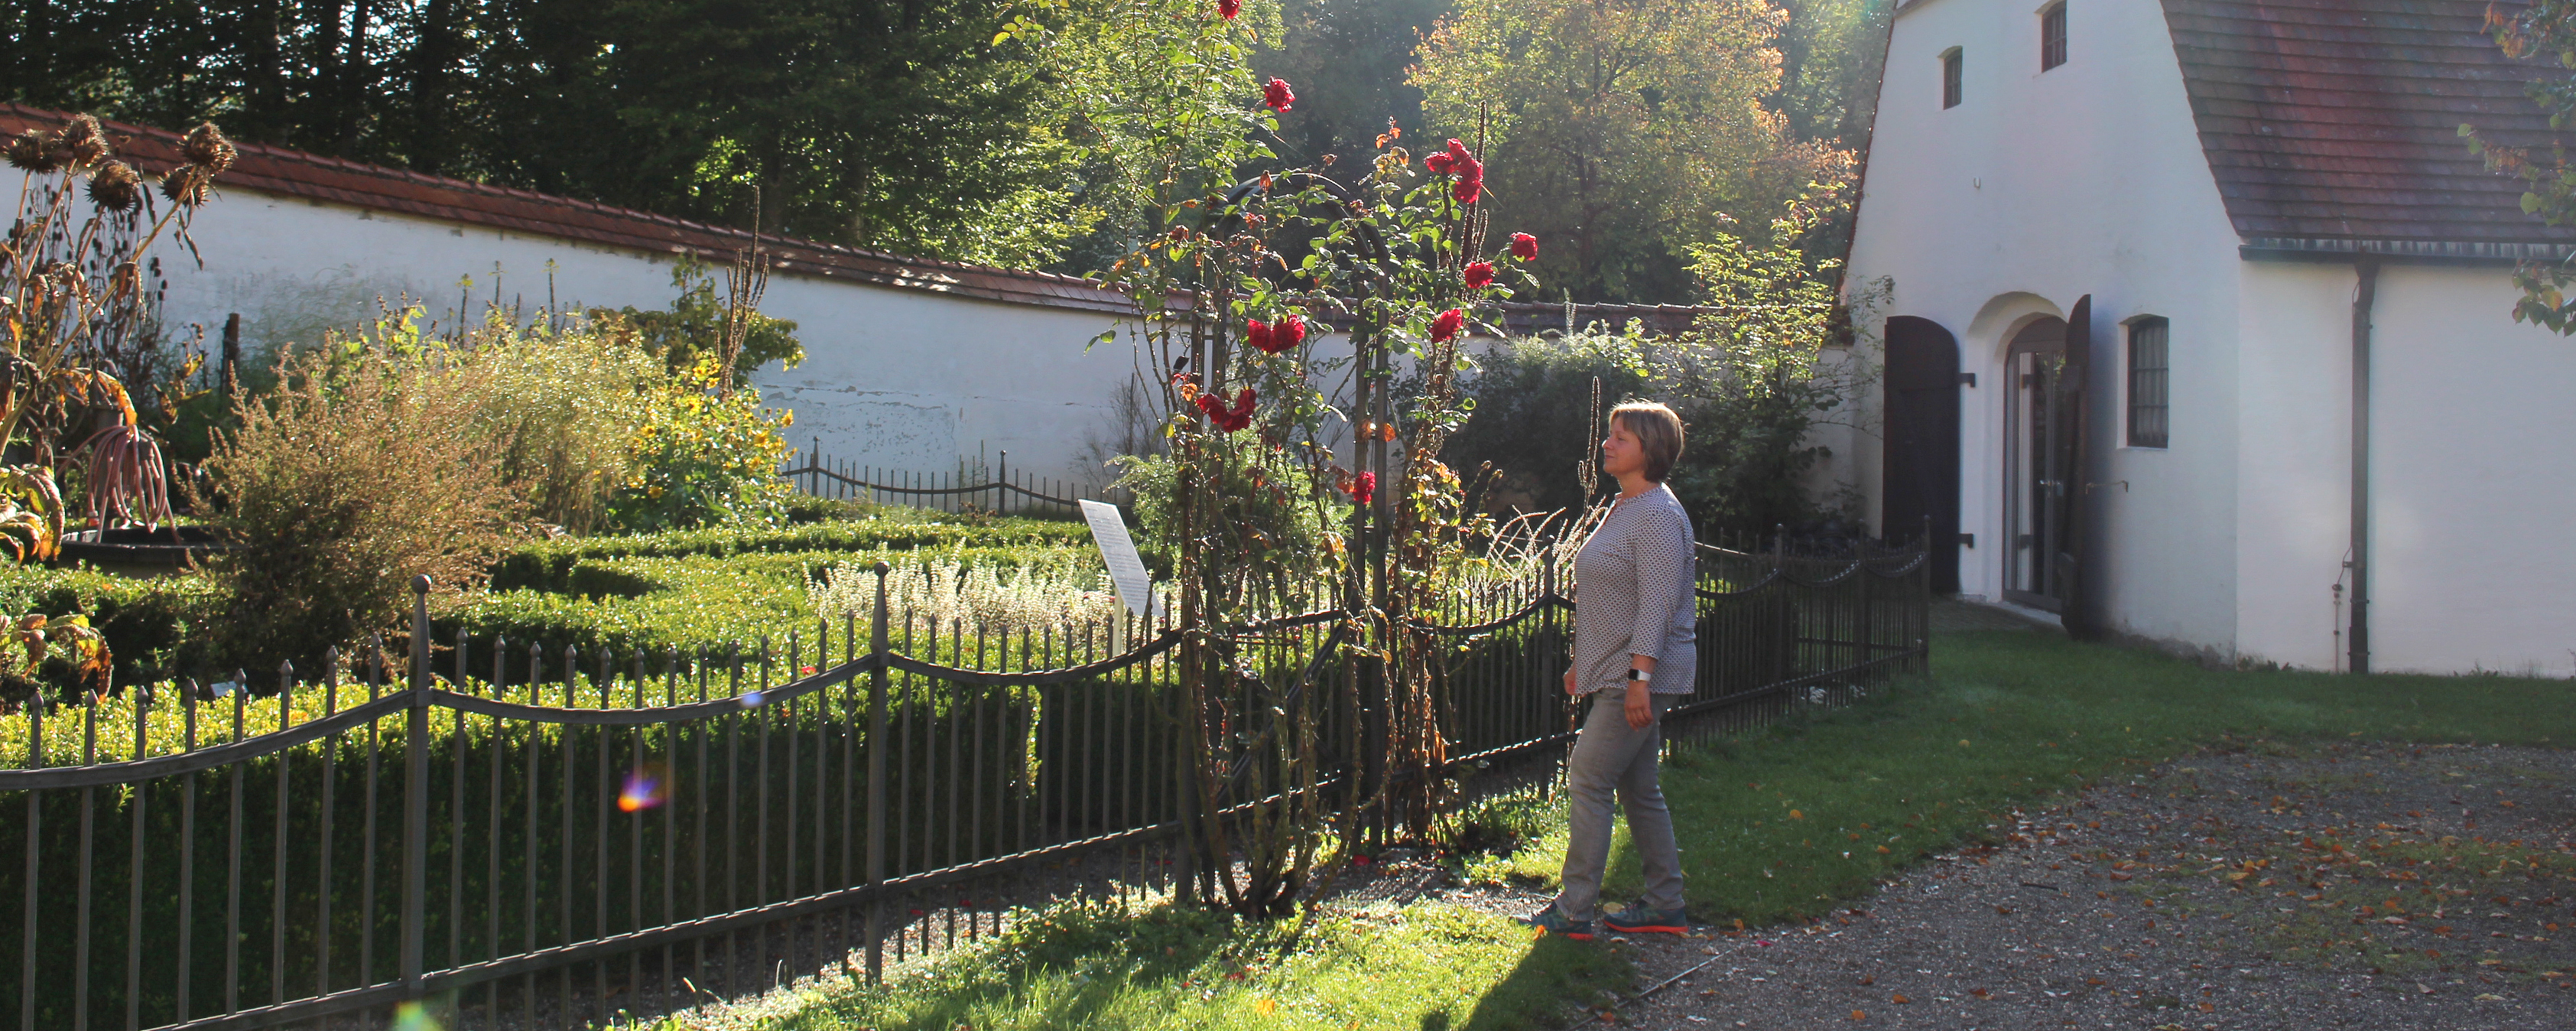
1622, 455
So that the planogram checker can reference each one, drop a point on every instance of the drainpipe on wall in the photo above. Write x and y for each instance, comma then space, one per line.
2366, 289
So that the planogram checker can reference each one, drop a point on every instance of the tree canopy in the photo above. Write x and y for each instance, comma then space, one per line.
1625, 129
1031, 133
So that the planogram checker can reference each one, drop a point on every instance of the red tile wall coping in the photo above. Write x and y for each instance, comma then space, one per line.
293, 173
2339, 119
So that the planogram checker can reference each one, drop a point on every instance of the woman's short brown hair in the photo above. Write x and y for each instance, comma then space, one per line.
1658, 430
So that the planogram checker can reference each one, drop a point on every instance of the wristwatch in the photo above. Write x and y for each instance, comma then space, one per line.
1639, 675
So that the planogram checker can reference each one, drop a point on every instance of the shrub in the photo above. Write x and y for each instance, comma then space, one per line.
545, 564
362, 470
704, 458
562, 410
1533, 409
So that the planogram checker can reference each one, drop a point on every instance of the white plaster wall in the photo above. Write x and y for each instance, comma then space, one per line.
2293, 512
902, 379
2037, 189
2473, 478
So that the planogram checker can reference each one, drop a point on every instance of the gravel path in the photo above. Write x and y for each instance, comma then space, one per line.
2358, 886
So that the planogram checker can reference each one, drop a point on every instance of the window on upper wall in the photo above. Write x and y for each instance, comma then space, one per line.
2149, 382
1950, 78
2052, 36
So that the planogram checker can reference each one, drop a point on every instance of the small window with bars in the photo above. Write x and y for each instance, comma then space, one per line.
2052, 36
2149, 380
1951, 83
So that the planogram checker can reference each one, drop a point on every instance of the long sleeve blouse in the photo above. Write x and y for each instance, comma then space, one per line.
1634, 579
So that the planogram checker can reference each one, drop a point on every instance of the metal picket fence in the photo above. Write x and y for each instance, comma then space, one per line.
999, 491
534, 835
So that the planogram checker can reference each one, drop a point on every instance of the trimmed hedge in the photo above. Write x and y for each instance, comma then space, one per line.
684, 601
146, 622
548, 565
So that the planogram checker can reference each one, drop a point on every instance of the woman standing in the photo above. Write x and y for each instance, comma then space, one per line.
1633, 639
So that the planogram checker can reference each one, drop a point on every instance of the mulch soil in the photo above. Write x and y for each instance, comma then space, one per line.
2363, 885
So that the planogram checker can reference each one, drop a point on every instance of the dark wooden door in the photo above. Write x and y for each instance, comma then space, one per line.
1919, 479
2076, 585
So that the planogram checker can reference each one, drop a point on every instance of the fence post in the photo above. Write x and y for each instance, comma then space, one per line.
876, 780
1001, 486
416, 794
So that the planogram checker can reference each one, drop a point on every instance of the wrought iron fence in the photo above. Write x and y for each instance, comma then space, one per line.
998, 491
548, 836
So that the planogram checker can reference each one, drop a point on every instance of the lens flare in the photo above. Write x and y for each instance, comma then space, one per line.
647, 787
751, 699
412, 1016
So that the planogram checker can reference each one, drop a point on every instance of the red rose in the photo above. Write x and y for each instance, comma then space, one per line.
1437, 163
1445, 326
1467, 190
1468, 170
1477, 275
1290, 332
1525, 246
1277, 95
1364, 487
1237, 418
1227, 9
1457, 148
1258, 335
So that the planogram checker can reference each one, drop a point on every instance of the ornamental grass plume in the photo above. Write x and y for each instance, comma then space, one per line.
116, 187
940, 588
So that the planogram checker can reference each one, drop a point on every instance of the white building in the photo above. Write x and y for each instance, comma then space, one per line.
2254, 229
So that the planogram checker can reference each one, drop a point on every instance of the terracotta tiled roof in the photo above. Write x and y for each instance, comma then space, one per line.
293, 173
2338, 120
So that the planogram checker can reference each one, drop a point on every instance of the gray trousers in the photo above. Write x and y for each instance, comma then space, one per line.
1610, 758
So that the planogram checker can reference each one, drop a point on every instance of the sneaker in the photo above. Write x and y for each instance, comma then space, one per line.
1638, 919
1549, 921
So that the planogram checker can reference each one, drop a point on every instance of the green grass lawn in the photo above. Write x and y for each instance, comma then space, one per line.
1777, 825
1110, 967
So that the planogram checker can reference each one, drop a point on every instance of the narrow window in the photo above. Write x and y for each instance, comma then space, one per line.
1950, 77
2052, 36
2148, 377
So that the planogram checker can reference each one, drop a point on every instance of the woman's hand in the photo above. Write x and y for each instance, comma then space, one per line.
1569, 682
1641, 707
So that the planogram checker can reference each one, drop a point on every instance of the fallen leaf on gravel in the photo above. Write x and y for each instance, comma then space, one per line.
2424, 988
2118, 876
2004, 910
1858, 1015
1901, 999
2489, 997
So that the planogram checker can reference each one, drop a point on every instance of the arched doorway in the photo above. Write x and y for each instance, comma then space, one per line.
2044, 463
1919, 479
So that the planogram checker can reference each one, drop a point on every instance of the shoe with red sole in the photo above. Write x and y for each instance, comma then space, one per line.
1549, 921
1641, 919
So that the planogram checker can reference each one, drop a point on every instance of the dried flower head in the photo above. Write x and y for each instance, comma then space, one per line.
186, 185
32, 152
115, 186
206, 147
85, 140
